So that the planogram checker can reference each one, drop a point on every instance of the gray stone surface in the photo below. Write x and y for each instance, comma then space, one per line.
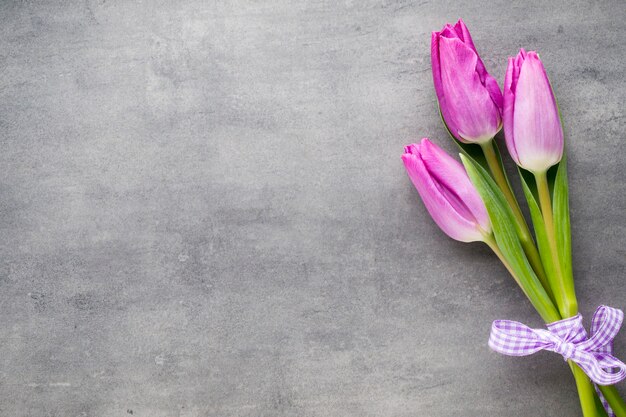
204, 213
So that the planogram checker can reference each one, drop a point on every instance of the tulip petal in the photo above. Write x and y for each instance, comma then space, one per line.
512, 72
466, 37
436, 69
488, 81
450, 32
464, 34
444, 204
538, 135
451, 176
495, 93
469, 111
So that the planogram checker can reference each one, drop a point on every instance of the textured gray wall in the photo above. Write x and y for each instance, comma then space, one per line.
204, 212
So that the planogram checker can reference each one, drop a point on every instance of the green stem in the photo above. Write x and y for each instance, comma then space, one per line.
565, 299
521, 226
615, 401
586, 392
543, 304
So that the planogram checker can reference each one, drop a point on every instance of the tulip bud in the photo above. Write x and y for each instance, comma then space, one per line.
447, 192
469, 98
532, 125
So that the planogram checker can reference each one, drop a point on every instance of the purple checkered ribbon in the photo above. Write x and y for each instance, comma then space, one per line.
569, 339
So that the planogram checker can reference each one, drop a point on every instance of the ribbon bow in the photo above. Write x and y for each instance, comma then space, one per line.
569, 339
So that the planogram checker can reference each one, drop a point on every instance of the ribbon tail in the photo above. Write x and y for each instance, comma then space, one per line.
604, 402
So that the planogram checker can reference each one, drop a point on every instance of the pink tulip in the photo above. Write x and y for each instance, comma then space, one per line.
469, 98
447, 192
532, 125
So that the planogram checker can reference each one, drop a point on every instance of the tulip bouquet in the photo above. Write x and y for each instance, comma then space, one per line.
473, 201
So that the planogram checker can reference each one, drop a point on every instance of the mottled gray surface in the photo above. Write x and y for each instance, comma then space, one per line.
204, 213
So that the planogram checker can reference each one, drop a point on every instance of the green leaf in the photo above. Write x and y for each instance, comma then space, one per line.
560, 209
530, 191
507, 240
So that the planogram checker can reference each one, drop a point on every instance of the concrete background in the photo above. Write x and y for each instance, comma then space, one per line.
203, 210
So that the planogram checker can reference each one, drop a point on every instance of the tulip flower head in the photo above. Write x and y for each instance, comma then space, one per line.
469, 98
532, 126
447, 192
